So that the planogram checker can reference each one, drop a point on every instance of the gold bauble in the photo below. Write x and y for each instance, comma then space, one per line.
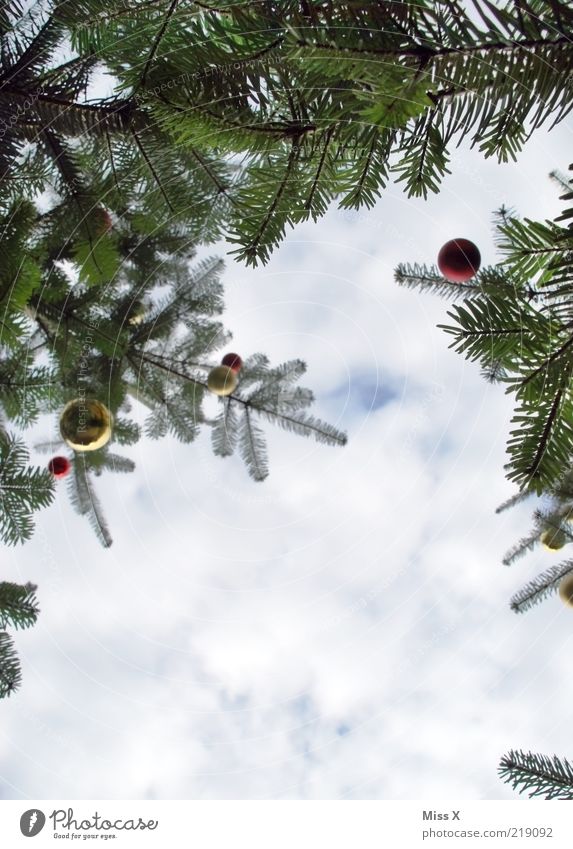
553, 539
137, 313
566, 590
222, 380
85, 424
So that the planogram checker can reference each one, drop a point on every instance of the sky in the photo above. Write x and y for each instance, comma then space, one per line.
342, 630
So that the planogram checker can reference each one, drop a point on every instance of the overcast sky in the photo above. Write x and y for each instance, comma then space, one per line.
341, 630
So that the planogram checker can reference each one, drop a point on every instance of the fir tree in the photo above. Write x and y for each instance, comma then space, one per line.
18, 609
246, 118
121, 313
516, 322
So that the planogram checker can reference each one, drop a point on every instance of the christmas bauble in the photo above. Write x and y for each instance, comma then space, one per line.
553, 539
137, 313
103, 221
222, 380
232, 361
86, 424
566, 590
459, 260
59, 466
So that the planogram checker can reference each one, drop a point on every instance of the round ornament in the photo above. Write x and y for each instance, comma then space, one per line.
553, 539
85, 424
222, 380
103, 221
459, 260
137, 313
232, 361
566, 590
59, 466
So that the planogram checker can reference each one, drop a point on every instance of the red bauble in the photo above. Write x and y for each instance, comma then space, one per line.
59, 466
103, 221
232, 361
459, 260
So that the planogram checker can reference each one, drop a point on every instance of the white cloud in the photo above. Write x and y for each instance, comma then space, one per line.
341, 630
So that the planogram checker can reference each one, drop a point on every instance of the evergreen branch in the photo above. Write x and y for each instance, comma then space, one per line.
517, 498
538, 774
426, 54
252, 448
318, 175
522, 547
540, 588
10, 671
18, 605
251, 250
304, 425
547, 362
152, 169
224, 433
158, 39
533, 468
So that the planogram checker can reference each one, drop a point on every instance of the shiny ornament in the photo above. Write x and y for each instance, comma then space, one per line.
222, 380
86, 424
459, 260
59, 466
232, 361
553, 539
103, 221
137, 313
566, 590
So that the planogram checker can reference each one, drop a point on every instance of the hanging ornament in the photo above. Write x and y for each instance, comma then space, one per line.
86, 424
103, 221
59, 466
222, 380
137, 313
553, 539
566, 589
232, 361
459, 260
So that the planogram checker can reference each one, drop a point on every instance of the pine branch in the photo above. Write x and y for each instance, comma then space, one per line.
252, 447
10, 672
522, 547
513, 500
224, 434
538, 774
157, 40
18, 605
540, 588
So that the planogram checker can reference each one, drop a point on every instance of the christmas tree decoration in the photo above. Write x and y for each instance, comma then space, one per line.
86, 424
566, 589
232, 361
553, 539
103, 221
137, 313
459, 260
222, 380
59, 466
